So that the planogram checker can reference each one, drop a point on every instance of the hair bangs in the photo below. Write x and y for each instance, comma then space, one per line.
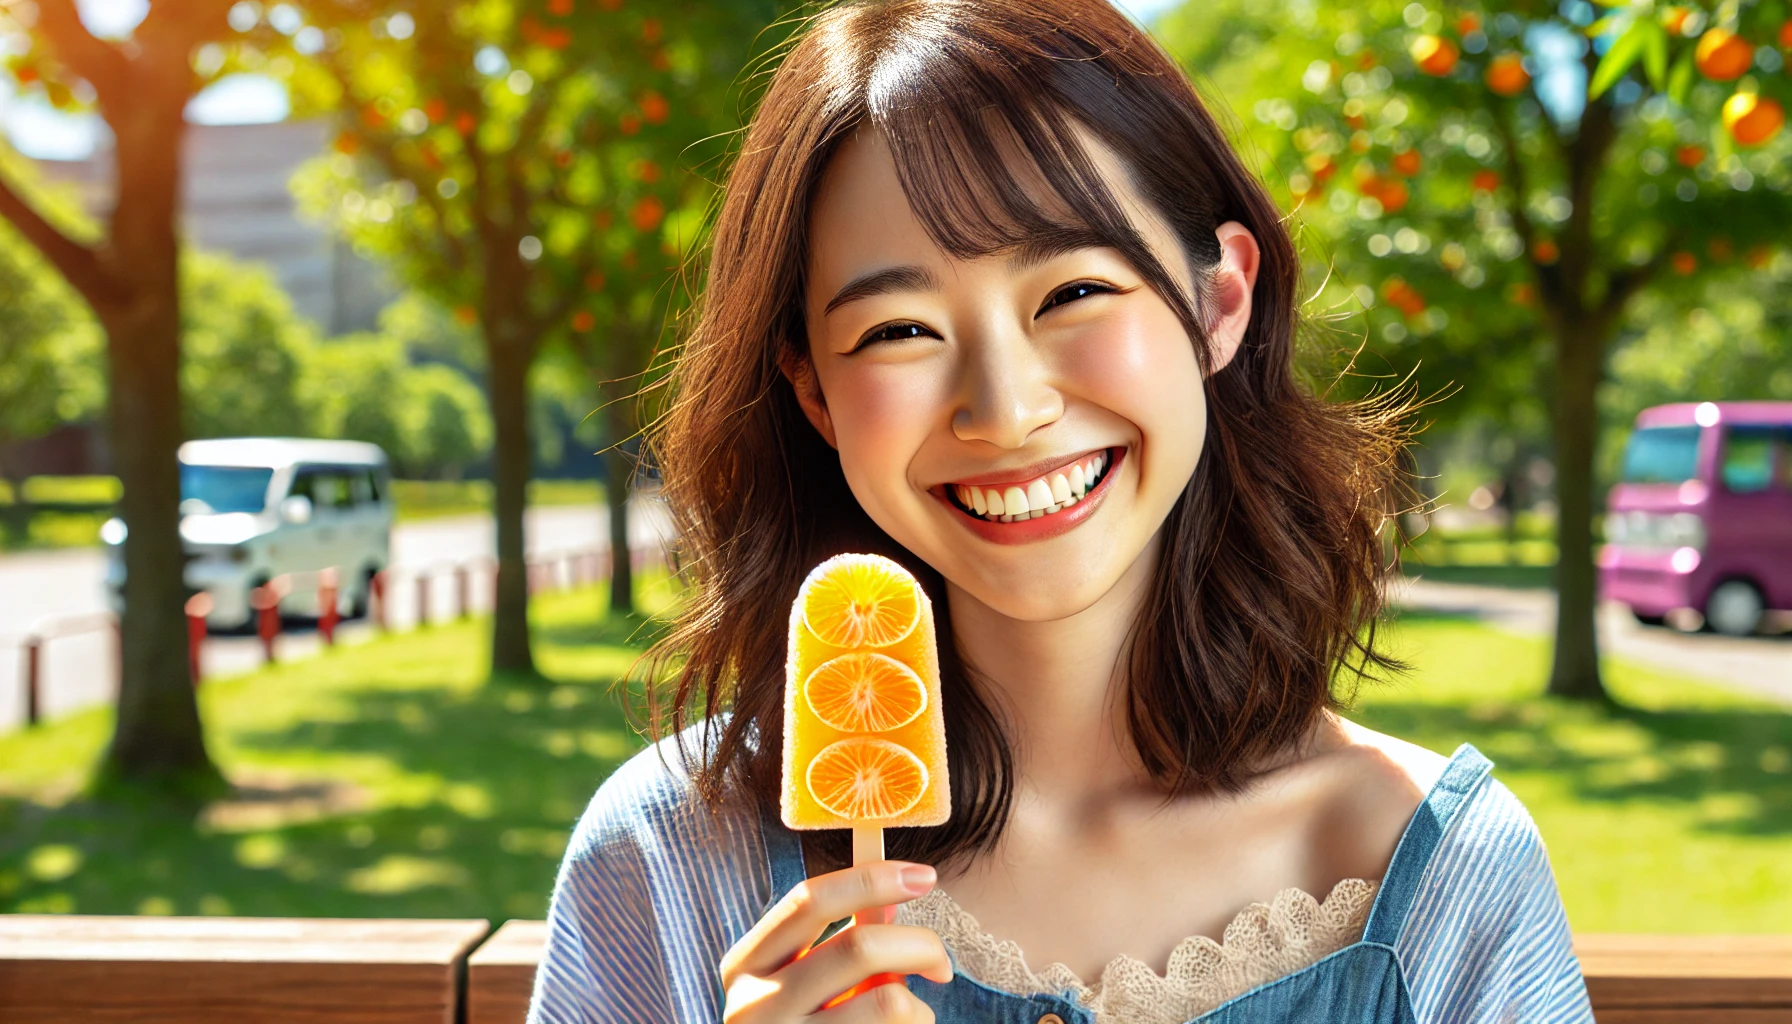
993, 158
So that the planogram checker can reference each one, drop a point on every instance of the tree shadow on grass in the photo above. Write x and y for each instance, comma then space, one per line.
464, 807
1732, 767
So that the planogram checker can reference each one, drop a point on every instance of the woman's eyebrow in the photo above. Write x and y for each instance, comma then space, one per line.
880, 282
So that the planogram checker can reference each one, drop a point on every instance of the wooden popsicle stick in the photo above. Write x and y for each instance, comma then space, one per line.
868, 848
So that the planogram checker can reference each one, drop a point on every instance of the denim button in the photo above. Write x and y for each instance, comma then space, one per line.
1051, 1018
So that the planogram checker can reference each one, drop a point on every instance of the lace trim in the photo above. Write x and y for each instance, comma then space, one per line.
1264, 942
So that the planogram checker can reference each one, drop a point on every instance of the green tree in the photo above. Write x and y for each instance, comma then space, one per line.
243, 352
49, 356
129, 275
485, 151
1494, 233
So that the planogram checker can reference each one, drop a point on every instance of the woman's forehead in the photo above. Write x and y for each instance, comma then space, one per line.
862, 219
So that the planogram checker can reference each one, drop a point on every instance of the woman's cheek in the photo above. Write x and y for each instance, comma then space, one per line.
1142, 368
881, 421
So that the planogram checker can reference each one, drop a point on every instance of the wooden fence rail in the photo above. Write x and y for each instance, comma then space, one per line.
314, 971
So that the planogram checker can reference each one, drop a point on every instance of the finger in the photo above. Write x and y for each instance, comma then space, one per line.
885, 1004
795, 921
858, 953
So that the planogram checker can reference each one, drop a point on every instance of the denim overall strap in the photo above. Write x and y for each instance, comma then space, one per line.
1448, 796
783, 855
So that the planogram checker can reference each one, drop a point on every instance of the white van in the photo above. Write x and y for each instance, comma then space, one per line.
254, 508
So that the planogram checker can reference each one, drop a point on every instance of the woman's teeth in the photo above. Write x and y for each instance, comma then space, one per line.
1054, 492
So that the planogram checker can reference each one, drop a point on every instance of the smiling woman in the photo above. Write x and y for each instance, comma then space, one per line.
990, 293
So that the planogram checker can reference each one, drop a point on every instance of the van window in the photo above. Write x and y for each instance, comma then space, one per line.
1748, 459
370, 487
1661, 455
327, 489
224, 488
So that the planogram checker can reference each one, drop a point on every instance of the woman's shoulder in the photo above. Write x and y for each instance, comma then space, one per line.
653, 800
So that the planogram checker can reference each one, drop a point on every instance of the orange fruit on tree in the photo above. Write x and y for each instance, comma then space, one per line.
1684, 262
1674, 18
1434, 55
865, 692
1506, 74
655, 108
646, 214
1485, 180
1393, 195
1407, 162
1753, 119
1690, 156
1546, 251
1786, 34
1470, 22
864, 779
861, 604
1758, 256
1722, 55
583, 321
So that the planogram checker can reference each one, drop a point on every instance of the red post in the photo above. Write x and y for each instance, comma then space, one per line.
376, 599
266, 602
422, 600
198, 607
327, 612
34, 665
463, 598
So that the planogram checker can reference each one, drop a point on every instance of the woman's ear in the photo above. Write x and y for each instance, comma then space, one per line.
799, 370
1233, 281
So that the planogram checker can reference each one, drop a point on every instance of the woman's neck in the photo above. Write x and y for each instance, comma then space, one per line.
1058, 685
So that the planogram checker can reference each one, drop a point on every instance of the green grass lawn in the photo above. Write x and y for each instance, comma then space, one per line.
392, 780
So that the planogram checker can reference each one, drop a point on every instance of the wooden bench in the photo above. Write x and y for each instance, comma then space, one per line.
501, 973
302, 971
57, 968
1695, 979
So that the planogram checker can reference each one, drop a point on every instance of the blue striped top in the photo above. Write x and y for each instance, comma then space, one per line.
657, 885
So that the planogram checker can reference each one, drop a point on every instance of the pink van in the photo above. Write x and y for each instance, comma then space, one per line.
1702, 516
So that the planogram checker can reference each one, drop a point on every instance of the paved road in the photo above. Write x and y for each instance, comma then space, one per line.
42, 588
1761, 664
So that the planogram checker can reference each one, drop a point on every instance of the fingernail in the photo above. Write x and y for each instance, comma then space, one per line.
917, 878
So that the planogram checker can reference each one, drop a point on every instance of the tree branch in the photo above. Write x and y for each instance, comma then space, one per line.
102, 64
77, 263
1548, 281
1625, 283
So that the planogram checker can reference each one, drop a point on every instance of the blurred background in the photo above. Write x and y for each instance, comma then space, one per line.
327, 328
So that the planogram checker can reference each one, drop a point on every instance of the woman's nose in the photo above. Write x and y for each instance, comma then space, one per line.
1007, 392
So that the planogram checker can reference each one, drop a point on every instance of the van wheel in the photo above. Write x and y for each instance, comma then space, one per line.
1735, 608
1648, 620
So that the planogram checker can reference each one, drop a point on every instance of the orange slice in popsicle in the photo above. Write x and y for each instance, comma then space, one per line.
864, 740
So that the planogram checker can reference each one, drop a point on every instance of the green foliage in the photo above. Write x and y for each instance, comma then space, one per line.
251, 366
51, 353
1447, 210
243, 352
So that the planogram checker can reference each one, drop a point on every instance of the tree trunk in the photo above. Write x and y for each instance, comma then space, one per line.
619, 471
1574, 671
157, 737
511, 457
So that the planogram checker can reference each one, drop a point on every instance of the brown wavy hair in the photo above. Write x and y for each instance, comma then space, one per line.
1270, 573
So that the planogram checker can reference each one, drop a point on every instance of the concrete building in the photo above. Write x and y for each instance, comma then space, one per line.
236, 201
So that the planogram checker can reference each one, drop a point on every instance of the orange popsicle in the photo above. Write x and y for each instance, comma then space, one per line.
864, 739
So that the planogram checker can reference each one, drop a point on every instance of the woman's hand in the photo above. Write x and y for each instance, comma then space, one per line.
771, 976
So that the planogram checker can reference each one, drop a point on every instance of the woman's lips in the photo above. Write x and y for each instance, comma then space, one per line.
1038, 524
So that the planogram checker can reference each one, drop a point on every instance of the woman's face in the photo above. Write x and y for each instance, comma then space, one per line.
1023, 422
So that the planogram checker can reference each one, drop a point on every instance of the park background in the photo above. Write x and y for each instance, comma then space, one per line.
456, 229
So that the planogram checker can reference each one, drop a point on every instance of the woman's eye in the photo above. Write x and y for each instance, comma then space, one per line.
893, 332
1073, 292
